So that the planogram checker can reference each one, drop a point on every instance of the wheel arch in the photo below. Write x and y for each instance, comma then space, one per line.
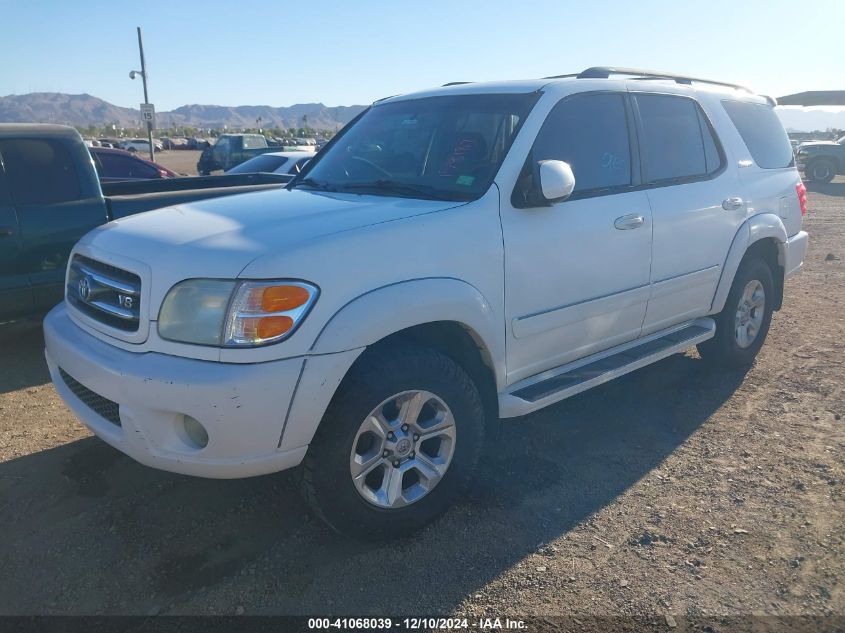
448, 315
762, 235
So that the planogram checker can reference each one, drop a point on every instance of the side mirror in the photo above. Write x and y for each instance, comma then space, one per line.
556, 180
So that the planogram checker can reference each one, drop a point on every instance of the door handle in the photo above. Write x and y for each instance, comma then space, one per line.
627, 222
732, 204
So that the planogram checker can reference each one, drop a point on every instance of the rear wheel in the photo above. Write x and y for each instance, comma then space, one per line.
821, 170
742, 326
397, 444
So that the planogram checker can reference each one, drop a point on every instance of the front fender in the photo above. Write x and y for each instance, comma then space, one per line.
384, 311
757, 227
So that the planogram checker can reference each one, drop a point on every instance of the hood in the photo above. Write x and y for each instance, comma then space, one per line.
220, 236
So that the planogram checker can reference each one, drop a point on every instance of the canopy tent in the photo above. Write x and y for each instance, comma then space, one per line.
814, 98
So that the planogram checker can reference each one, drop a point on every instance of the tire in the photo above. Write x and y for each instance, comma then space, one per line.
729, 347
820, 170
343, 440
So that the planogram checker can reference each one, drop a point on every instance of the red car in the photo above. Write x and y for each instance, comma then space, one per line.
116, 164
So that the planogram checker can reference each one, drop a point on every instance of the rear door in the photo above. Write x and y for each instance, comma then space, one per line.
55, 208
695, 205
15, 293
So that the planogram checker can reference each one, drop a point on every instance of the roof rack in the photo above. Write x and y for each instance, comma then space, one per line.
456, 83
604, 72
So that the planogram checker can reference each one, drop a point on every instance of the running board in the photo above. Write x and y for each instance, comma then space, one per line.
562, 382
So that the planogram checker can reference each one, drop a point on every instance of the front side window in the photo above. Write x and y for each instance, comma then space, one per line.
590, 132
447, 147
39, 171
677, 142
764, 136
119, 166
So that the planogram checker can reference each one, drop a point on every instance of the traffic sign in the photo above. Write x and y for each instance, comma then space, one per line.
148, 114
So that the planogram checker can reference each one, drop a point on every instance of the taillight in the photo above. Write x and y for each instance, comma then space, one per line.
801, 190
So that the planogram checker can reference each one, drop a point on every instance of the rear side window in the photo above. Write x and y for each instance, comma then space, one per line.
39, 171
590, 132
254, 142
762, 132
677, 142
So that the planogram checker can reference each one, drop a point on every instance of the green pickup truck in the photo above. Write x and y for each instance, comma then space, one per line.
50, 197
231, 150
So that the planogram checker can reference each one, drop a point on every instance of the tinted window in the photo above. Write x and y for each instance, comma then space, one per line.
39, 171
677, 142
263, 163
118, 166
762, 132
590, 132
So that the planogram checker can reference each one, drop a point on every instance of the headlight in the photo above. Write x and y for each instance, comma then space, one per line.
234, 313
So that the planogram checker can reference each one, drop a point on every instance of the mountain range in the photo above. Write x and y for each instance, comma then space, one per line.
84, 110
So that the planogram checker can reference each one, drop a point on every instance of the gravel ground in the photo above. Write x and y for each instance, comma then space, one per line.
674, 490
182, 161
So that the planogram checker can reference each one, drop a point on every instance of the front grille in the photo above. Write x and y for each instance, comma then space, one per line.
105, 293
103, 407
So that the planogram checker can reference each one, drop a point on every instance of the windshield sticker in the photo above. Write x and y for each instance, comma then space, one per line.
465, 181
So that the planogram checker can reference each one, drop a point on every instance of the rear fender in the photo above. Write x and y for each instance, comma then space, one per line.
758, 227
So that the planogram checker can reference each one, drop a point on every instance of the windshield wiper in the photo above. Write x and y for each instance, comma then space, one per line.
391, 186
315, 184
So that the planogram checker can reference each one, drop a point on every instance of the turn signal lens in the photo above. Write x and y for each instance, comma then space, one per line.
264, 312
273, 326
283, 298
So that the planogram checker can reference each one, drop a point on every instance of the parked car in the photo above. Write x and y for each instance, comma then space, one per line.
116, 164
231, 150
50, 196
140, 145
821, 161
275, 163
453, 257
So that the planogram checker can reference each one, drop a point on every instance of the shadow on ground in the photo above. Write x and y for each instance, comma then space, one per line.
22, 362
94, 532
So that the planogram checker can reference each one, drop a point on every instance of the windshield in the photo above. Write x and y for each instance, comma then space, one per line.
445, 148
841, 140
263, 163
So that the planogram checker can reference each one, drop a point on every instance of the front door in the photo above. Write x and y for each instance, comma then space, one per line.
577, 272
55, 208
15, 293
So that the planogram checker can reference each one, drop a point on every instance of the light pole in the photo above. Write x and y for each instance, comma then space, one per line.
143, 73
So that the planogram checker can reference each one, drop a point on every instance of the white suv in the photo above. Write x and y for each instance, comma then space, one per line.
452, 257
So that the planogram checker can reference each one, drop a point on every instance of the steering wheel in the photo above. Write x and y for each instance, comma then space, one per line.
372, 165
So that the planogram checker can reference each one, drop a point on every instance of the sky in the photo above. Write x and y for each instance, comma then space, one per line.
345, 53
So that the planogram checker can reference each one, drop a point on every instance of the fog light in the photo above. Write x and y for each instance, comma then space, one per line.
195, 431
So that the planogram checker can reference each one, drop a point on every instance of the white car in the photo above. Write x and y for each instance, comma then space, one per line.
274, 163
455, 256
139, 145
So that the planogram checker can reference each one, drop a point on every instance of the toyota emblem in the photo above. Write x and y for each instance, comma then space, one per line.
84, 288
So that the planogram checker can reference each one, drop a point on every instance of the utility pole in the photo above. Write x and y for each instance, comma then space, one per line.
146, 96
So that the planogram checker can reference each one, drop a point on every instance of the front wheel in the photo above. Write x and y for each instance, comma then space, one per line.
742, 325
397, 444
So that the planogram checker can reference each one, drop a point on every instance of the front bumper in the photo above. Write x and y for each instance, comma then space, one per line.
243, 407
796, 249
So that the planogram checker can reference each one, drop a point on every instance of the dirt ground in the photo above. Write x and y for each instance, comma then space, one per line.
675, 490
182, 161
